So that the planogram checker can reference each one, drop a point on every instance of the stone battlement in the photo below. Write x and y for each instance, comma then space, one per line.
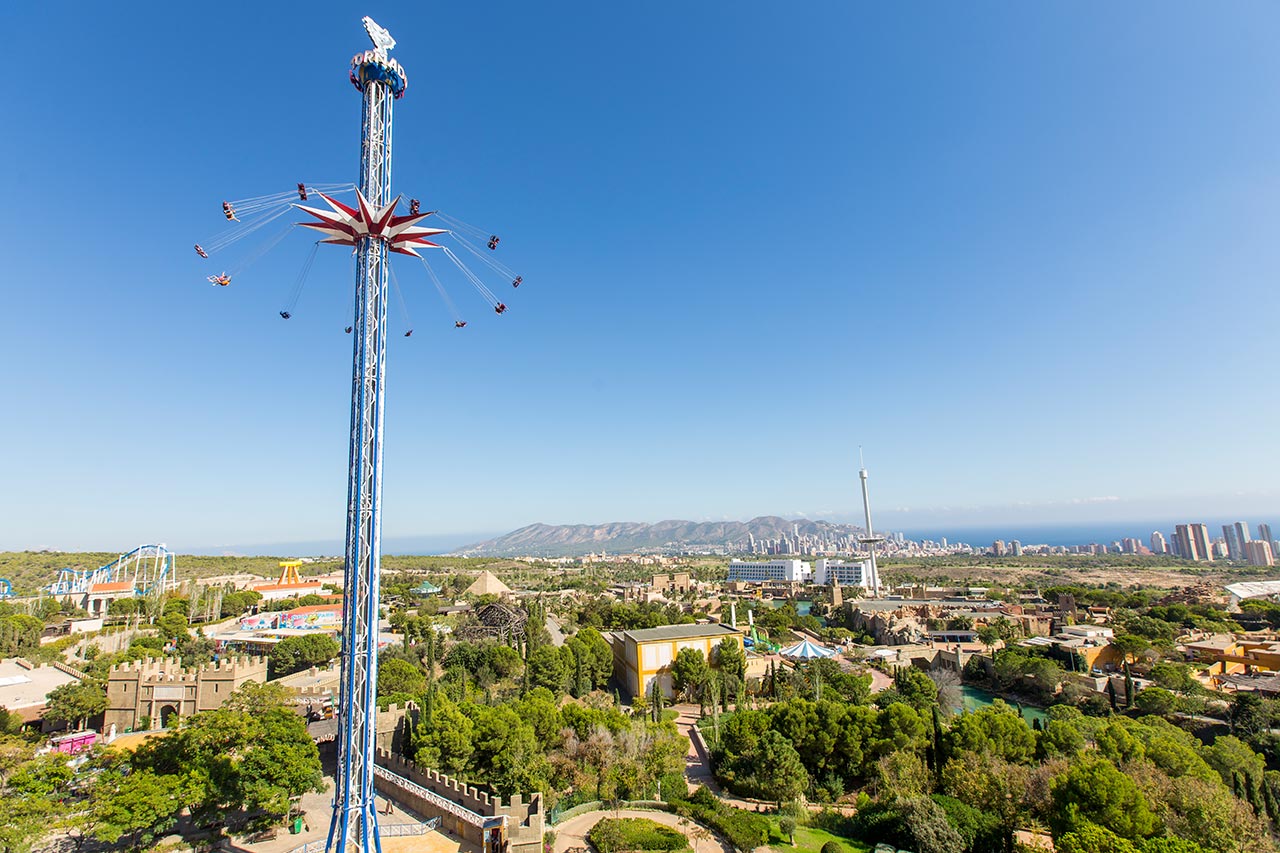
158, 688
525, 821
172, 669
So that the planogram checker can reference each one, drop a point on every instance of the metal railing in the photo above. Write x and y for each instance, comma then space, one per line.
394, 830
397, 830
316, 846
445, 805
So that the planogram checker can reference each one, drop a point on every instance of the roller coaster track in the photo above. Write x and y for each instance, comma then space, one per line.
150, 568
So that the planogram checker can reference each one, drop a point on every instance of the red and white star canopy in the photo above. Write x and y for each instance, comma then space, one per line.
346, 227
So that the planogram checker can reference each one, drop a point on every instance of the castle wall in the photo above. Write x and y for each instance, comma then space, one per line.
525, 820
160, 688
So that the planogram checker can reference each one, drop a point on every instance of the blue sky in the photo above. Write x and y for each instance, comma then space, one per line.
1025, 254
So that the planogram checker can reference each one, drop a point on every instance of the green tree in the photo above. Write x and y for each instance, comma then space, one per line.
1251, 715
1130, 646
1156, 701
538, 708
1204, 812
294, 654
688, 670
281, 764
140, 806
779, 770
922, 825
1091, 838
507, 755
74, 703
729, 657
916, 688
445, 740
503, 660
982, 831
26, 821
396, 675
1229, 755
19, 634
996, 729
1093, 791
593, 652
41, 777
546, 668
174, 622
253, 753
1059, 739
1118, 744
1175, 677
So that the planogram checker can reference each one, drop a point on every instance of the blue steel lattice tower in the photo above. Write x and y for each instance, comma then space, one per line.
380, 81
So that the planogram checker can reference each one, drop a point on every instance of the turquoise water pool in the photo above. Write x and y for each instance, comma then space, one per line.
975, 699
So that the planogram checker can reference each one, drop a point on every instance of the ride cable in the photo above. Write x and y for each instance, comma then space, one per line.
262, 250
291, 304
404, 309
484, 292
493, 264
458, 322
458, 224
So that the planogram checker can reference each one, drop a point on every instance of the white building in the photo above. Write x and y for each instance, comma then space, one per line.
795, 571
827, 572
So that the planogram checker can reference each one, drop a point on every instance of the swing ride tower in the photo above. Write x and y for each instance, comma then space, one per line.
373, 231
380, 81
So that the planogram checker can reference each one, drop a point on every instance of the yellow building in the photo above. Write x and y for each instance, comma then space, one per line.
641, 656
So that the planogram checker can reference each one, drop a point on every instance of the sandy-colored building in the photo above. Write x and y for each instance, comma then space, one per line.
315, 691
1215, 648
641, 656
98, 597
678, 582
159, 689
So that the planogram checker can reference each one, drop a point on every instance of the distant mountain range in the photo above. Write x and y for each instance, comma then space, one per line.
665, 537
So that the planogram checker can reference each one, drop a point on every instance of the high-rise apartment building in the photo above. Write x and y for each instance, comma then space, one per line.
997, 548
1242, 535
1158, 545
1015, 548
1264, 533
1259, 553
1204, 545
1235, 551
1184, 542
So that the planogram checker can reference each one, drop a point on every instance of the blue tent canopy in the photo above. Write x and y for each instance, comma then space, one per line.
807, 650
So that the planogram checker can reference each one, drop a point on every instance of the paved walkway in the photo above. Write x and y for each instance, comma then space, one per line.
697, 771
573, 832
318, 808
879, 681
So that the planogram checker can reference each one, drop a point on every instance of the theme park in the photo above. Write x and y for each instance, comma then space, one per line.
817, 683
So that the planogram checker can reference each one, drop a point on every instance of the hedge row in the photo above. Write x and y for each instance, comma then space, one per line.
744, 830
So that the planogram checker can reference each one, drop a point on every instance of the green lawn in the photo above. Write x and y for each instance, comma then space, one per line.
810, 840
633, 834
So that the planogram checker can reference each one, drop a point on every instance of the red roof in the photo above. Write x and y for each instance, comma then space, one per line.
315, 608
122, 586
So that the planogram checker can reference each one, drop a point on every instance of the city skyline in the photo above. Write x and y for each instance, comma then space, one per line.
1016, 217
